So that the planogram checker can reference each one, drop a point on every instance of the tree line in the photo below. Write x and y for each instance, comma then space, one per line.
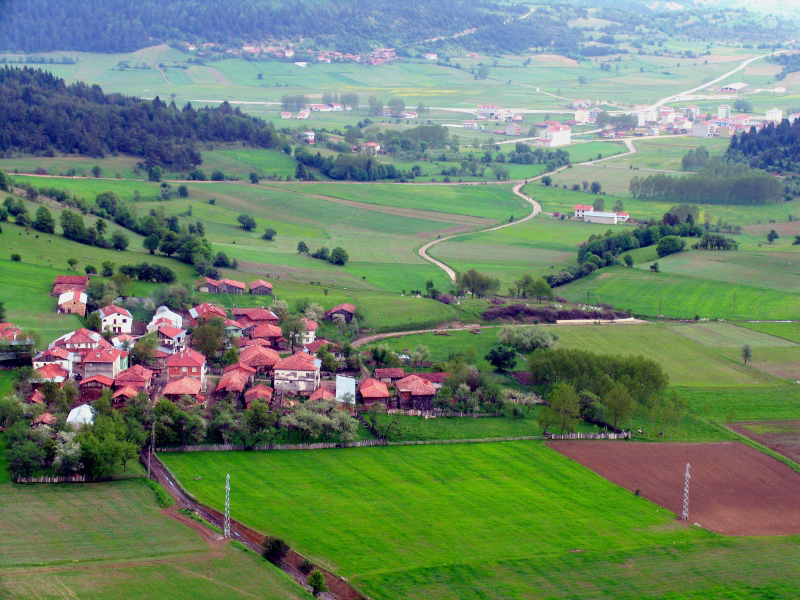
774, 148
720, 182
41, 114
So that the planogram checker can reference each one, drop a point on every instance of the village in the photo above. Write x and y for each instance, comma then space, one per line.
257, 362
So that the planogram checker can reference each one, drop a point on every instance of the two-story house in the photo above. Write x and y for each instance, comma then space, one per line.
187, 363
115, 319
105, 361
297, 373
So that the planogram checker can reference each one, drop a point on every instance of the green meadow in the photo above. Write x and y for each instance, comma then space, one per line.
506, 520
110, 540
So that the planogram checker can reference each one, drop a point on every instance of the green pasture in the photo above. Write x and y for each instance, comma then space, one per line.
241, 161
681, 296
786, 331
766, 267
89, 187
461, 428
729, 335
110, 540
666, 152
738, 403
510, 520
6, 384
615, 179
783, 362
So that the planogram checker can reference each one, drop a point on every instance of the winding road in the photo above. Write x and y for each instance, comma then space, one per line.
537, 208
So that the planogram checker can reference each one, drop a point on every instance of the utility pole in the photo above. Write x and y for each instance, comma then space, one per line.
734, 303
660, 302
227, 529
152, 446
685, 515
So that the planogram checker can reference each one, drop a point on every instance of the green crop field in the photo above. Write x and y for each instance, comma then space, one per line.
729, 335
110, 540
509, 520
725, 404
649, 293
786, 331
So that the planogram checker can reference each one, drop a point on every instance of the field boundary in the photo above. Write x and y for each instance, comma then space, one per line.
333, 445
76, 478
625, 435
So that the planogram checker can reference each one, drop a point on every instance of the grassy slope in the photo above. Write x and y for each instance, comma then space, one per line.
494, 520
106, 528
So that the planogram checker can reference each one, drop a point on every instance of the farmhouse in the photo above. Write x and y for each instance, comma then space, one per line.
431, 56
437, 379
105, 361
122, 396
44, 419
52, 372
308, 137
136, 377
95, 384
115, 319
206, 311
72, 302
311, 331
187, 363
371, 391
415, 393
704, 129
59, 356
286, 115
303, 114
605, 218
775, 115
261, 288
258, 392
370, 148
389, 375
170, 338
555, 135
297, 373
231, 286
235, 378
69, 283
348, 311
164, 314
259, 358
184, 386
36, 397
272, 334
733, 88
322, 393
208, 286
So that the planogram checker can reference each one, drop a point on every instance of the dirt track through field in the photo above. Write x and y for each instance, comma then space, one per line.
734, 489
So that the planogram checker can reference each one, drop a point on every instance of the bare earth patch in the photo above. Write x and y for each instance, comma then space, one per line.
735, 489
780, 436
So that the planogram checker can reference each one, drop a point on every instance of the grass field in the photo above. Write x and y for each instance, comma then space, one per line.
508, 520
681, 296
110, 540
786, 331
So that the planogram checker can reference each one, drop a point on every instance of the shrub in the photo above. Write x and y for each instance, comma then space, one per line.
16, 258
317, 582
90, 269
274, 549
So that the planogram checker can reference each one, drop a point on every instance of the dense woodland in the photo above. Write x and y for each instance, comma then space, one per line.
40, 114
774, 148
123, 26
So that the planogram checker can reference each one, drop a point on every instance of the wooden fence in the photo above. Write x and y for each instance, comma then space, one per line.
624, 435
432, 414
74, 478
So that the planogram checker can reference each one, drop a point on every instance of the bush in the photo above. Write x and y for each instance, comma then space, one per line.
307, 567
90, 269
163, 499
16, 258
317, 582
670, 244
269, 234
548, 314
274, 549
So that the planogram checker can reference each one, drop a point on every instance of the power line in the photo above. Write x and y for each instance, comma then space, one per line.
685, 515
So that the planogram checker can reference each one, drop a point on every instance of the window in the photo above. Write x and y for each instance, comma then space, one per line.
184, 370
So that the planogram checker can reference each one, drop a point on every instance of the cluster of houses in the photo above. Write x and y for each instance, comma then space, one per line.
100, 361
553, 133
725, 124
378, 56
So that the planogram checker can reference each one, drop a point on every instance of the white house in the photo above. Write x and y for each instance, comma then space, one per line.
555, 135
691, 111
303, 114
431, 56
596, 216
286, 115
311, 331
61, 356
115, 319
733, 88
471, 125
582, 116
296, 373
775, 115
723, 111
165, 316
581, 209
487, 110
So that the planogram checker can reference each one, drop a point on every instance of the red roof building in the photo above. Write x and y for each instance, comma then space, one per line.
259, 358
371, 391
137, 377
52, 372
184, 386
98, 382
437, 379
389, 375
69, 283
347, 310
44, 419
187, 363
296, 373
415, 393
36, 397
258, 392
322, 394
104, 361
261, 287
123, 395
235, 379
271, 333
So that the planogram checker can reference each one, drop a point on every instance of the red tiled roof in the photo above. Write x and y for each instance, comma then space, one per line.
51, 371
256, 392
351, 308
210, 281
392, 373
255, 314
434, 377
170, 331
300, 361
259, 356
35, 397
72, 279
260, 283
183, 386
416, 386
9, 331
314, 346
82, 336
233, 283
104, 355
267, 331
135, 374
583, 207
310, 325
102, 379
233, 380
186, 358
44, 418
372, 388
232, 323
239, 365
113, 310
126, 391
322, 393
244, 342
205, 307
72, 296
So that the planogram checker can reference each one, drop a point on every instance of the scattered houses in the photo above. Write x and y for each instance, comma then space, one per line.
371, 391
205, 311
414, 392
272, 334
235, 378
390, 375
137, 377
221, 286
348, 311
52, 372
115, 319
72, 302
